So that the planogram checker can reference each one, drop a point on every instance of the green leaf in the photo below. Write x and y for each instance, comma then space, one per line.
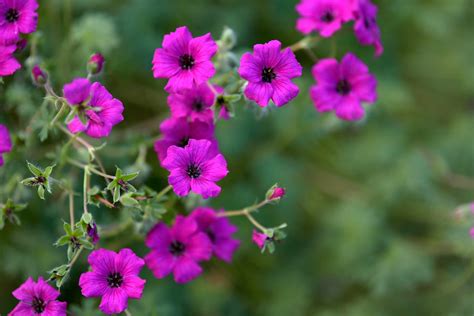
116, 194
41, 192
130, 176
62, 241
34, 170
128, 200
47, 172
86, 218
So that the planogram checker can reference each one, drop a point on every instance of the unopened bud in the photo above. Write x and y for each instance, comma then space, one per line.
275, 193
95, 64
39, 76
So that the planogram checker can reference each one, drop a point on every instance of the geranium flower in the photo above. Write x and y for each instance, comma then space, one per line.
114, 277
194, 103
196, 168
365, 27
17, 17
219, 230
5, 142
177, 250
185, 60
37, 298
178, 132
341, 87
97, 110
269, 71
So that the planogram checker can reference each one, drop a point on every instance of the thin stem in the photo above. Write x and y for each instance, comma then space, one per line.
163, 192
58, 115
78, 139
244, 211
254, 222
76, 256
91, 169
71, 207
86, 187
127, 312
305, 42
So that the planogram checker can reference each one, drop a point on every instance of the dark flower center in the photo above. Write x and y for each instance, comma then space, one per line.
268, 74
220, 100
343, 87
38, 305
211, 235
186, 61
12, 15
177, 248
183, 142
368, 22
115, 279
198, 106
193, 171
327, 17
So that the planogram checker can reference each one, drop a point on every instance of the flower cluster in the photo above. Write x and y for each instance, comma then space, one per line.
16, 17
192, 239
341, 87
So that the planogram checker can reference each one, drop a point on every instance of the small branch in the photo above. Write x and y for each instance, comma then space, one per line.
71, 207
91, 169
127, 313
78, 139
244, 211
254, 221
163, 192
76, 256
86, 187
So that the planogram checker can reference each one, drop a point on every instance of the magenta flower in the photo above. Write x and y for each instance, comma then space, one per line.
37, 298
5, 142
177, 250
185, 60
178, 132
341, 87
17, 16
196, 168
114, 276
323, 16
221, 104
8, 63
471, 232
97, 110
365, 27
269, 71
219, 230
259, 239
194, 103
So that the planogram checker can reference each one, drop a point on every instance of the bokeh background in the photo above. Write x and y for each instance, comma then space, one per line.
369, 206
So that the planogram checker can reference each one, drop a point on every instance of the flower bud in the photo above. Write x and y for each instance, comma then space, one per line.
21, 44
92, 232
39, 76
275, 193
95, 64
259, 239
228, 38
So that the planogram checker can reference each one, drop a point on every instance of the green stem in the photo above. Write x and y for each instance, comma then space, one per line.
86, 187
163, 192
91, 169
71, 207
244, 211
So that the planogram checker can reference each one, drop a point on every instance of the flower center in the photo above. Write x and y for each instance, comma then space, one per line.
220, 100
327, 17
193, 171
343, 87
183, 142
177, 248
198, 106
12, 15
211, 235
268, 74
186, 61
115, 279
38, 305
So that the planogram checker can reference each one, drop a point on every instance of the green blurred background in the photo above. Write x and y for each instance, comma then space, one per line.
369, 205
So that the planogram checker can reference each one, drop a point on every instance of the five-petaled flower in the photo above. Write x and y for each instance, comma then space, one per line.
194, 103
269, 71
5, 142
185, 60
365, 27
341, 87
114, 277
196, 168
177, 250
219, 230
17, 17
96, 109
8, 63
37, 298
178, 132
323, 16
